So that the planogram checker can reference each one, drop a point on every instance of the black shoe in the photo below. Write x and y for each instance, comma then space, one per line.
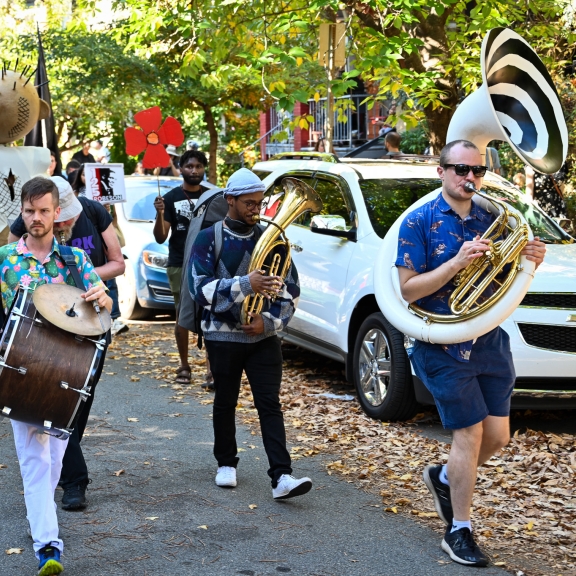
74, 497
460, 546
440, 492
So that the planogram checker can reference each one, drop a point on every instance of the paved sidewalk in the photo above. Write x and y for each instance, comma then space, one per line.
154, 508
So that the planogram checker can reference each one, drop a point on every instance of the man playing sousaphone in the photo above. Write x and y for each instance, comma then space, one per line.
34, 260
471, 382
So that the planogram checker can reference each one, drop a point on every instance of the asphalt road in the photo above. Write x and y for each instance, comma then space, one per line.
154, 508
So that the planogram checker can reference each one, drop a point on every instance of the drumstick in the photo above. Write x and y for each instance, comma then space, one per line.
97, 308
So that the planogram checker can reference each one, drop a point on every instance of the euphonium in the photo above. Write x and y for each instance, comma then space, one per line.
298, 198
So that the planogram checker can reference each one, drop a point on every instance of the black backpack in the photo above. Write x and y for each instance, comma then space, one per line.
210, 209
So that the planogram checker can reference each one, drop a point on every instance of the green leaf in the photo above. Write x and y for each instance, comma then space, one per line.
301, 96
297, 51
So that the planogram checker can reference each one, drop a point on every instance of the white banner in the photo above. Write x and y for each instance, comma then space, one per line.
105, 183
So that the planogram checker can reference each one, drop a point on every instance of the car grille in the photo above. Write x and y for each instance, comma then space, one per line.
162, 293
550, 337
541, 300
549, 384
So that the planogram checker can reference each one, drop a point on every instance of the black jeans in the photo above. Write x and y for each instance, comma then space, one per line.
262, 362
74, 468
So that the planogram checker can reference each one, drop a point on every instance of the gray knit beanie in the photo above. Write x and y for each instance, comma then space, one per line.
243, 181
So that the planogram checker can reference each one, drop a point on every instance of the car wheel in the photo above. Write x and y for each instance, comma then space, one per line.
382, 373
127, 297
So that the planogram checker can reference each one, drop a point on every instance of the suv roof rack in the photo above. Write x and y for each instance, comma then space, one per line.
397, 157
320, 156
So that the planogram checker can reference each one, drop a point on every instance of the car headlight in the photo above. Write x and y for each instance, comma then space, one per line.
155, 259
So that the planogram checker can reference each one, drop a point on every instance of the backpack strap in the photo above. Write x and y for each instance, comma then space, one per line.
70, 261
218, 241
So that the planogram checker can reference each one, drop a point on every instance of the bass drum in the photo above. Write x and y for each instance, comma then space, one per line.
398, 313
46, 373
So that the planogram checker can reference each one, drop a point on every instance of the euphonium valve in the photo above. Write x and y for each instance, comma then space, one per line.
273, 246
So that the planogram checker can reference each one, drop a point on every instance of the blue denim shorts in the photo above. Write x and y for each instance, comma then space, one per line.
466, 392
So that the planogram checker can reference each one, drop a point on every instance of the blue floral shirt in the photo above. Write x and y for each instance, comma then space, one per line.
18, 266
432, 235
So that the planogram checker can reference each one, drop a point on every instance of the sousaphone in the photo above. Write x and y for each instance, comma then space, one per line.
516, 103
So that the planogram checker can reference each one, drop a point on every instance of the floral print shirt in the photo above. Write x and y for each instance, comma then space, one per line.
432, 235
18, 266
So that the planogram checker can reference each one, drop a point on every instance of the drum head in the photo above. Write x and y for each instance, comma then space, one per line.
62, 305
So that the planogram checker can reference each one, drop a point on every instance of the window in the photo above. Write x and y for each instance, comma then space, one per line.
261, 173
140, 197
386, 199
335, 199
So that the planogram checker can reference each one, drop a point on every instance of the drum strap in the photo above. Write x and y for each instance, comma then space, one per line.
70, 261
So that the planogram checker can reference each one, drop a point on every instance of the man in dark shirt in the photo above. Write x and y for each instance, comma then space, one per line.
472, 381
83, 224
83, 156
174, 212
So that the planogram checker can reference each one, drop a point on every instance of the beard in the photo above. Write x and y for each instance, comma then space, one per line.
63, 234
192, 180
38, 232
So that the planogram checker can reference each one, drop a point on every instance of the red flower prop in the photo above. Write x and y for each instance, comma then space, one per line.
153, 138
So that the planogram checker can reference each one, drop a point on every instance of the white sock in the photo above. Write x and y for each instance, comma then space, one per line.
457, 524
444, 475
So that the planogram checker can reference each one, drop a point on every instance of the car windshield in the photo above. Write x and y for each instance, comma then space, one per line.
540, 223
387, 198
140, 196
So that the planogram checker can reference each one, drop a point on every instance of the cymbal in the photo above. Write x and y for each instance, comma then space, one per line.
62, 305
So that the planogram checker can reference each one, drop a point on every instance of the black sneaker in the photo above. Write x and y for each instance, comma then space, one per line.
460, 546
74, 497
440, 493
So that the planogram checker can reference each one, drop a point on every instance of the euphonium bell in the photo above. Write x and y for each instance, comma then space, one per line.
298, 198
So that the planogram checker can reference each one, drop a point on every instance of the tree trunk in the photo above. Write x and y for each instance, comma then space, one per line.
438, 121
213, 147
435, 51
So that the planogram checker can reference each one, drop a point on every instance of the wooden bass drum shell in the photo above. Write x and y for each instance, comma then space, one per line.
44, 356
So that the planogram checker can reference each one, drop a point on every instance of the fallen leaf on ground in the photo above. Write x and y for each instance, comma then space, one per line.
133, 420
118, 472
134, 379
253, 506
203, 527
15, 551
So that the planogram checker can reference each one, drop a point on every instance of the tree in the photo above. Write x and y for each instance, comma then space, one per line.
427, 54
203, 63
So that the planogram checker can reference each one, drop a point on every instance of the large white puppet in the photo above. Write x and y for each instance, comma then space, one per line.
20, 109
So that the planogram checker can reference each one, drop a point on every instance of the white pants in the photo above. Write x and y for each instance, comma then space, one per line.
40, 457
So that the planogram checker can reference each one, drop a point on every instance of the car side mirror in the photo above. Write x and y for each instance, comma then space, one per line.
329, 225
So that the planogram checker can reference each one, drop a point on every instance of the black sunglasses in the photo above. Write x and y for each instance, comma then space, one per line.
464, 169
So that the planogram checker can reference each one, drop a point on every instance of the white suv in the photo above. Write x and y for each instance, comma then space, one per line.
337, 314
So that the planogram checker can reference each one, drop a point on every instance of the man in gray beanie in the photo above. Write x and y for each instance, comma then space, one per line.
220, 283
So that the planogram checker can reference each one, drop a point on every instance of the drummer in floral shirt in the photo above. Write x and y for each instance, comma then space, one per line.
19, 267
36, 259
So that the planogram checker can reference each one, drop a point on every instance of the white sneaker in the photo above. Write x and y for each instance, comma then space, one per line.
118, 327
226, 477
288, 487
